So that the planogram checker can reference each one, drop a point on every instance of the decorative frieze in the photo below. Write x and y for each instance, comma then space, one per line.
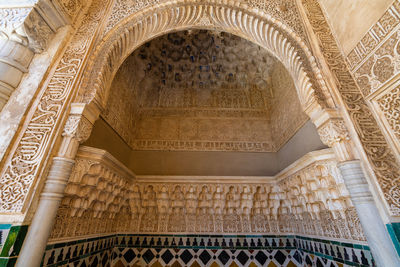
102, 196
389, 103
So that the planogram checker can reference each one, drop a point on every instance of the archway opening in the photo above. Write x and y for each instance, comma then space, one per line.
203, 134
200, 102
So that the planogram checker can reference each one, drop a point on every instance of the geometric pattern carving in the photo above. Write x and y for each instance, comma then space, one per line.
390, 106
381, 66
103, 197
203, 90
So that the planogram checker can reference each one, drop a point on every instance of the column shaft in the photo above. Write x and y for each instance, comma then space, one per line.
378, 238
43, 220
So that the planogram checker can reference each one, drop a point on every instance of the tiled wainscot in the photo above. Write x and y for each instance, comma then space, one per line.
206, 250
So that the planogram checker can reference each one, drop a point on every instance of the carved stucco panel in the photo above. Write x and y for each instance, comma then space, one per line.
381, 66
386, 107
20, 173
378, 32
12, 18
375, 63
390, 105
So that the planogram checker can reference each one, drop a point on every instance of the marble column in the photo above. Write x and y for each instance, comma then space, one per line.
333, 132
38, 234
77, 129
378, 238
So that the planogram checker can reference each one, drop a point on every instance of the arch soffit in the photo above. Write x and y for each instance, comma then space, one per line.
235, 18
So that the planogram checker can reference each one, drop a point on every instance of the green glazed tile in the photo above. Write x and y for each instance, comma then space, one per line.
3, 262
14, 240
394, 232
347, 245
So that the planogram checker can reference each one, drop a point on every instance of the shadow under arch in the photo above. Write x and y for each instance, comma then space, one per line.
235, 18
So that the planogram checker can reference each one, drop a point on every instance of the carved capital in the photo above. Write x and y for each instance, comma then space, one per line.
34, 24
333, 131
77, 126
80, 121
25, 26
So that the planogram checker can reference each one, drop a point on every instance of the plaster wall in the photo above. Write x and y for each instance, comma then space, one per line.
203, 162
104, 137
304, 141
350, 20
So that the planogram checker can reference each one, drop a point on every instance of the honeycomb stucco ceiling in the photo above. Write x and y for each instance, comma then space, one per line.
200, 90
